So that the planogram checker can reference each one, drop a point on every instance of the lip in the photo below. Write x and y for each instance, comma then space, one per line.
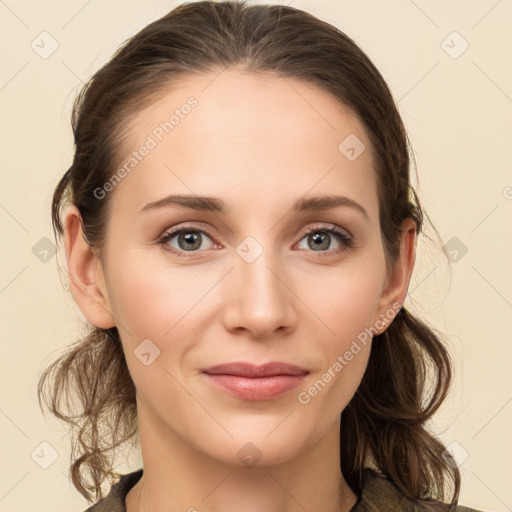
255, 382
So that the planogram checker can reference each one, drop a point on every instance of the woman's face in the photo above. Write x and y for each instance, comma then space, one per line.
258, 280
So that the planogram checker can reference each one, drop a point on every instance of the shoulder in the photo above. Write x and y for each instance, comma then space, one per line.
114, 501
380, 494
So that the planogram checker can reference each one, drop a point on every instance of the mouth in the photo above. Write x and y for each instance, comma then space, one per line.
255, 382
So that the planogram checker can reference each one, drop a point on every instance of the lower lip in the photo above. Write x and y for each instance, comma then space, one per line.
256, 388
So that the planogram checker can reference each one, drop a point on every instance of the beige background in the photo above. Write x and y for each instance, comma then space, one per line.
458, 113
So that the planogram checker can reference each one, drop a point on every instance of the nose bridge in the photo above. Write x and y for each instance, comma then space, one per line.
260, 278
260, 301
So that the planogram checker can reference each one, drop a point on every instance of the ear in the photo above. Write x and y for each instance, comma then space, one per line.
397, 282
86, 278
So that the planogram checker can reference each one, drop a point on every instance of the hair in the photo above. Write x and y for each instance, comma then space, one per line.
385, 423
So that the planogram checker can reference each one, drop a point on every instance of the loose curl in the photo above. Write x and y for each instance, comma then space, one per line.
385, 424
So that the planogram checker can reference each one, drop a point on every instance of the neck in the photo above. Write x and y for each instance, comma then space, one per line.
178, 477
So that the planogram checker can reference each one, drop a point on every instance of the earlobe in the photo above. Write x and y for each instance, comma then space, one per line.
85, 270
398, 283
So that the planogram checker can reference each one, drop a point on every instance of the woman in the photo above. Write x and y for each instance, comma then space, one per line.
240, 234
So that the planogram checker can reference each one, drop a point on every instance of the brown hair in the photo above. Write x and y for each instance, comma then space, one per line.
384, 425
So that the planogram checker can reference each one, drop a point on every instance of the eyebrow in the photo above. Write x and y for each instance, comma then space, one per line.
213, 204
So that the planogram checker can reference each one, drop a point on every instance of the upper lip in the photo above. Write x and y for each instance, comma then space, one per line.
243, 369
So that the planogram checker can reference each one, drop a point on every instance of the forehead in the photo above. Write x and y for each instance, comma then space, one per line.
242, 136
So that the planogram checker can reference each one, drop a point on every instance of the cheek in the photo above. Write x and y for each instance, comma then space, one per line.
347, 305
152, 299
345, 300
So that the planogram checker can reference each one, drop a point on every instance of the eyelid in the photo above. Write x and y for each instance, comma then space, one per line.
347, 239
325, 226
168, 234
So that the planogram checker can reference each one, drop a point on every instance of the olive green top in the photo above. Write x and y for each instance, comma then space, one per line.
378, 494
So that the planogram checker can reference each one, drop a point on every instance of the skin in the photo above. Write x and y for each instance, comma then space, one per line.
259, 143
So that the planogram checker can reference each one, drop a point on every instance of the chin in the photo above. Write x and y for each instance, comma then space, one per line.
258, 446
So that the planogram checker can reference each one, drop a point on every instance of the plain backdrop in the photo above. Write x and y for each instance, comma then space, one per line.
447, 64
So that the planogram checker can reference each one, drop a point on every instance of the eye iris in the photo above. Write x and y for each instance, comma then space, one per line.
190, 237
319, 239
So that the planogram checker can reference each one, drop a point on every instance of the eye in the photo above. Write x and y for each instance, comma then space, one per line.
188, 239
319, 239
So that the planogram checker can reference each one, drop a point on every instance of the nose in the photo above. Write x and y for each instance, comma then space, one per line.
258, 299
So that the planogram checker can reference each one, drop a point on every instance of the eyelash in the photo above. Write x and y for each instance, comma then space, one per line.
344, 238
